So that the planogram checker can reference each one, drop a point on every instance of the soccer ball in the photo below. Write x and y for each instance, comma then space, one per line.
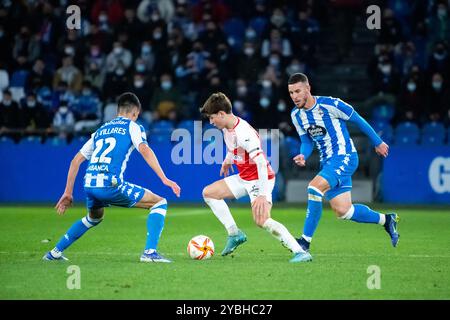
200, 247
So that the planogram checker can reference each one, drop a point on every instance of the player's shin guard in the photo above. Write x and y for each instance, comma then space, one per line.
76, 231
222, 212
363, 214
313, 213
155, 224
280, 232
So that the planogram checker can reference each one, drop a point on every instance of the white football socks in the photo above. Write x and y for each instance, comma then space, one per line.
222, 212
282, 234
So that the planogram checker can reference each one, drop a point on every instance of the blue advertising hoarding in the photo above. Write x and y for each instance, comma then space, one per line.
414, 174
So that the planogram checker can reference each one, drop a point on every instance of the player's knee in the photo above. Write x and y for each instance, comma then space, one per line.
344, 212
96, 214
209, 193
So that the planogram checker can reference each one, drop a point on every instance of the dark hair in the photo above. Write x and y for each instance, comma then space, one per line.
298, 77
127, 101
216, 102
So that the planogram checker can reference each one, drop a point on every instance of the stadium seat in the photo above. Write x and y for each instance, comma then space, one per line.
161, 131
186, 124
19, 78
258, 24
384, 130
234, 29
406, 133
433, 133
6, 142
383, 112
292, 146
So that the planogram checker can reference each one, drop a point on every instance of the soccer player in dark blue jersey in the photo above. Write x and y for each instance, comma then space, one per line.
322, 121
108, 151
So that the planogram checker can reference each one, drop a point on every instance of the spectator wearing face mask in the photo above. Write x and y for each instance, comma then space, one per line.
211, 36
296, 66
39, 76
278, 21
386, 78
142, 88
150, 11
243, 91
439, 60
95, 55
146, 57
96, 77
438, 98
86, 106
118, 56
69, 74
249, 62
9, 112
112, 9
117, 81
439, 23
64, 122
410, 105
166, 100
277, 44
131, 25
27, 45
35, 116
60, 95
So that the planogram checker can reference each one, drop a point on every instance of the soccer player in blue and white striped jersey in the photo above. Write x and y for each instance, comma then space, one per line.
322, 121
108, 151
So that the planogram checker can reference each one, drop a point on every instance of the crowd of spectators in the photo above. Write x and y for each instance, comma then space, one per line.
410, 70
171, 53
174, 53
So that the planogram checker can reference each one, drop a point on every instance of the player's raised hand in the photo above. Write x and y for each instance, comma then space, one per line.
64, 203
226, 166
382, 149
300, 160
172, 184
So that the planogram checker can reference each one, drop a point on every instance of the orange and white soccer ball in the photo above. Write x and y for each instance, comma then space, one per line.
200, 247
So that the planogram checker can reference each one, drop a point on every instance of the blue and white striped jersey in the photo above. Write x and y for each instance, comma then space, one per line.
108, 151
325, 124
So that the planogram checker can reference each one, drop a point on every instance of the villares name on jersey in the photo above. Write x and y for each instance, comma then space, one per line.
108, 151
325, 124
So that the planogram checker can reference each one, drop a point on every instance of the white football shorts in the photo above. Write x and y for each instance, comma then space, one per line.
240, 187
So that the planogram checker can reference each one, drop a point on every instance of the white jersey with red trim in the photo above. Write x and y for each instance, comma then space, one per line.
243, 144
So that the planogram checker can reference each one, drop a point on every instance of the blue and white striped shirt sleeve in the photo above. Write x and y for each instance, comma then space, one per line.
88, 148
137, 134
342, 110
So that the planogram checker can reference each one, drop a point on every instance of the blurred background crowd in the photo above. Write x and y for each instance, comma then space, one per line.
57, 82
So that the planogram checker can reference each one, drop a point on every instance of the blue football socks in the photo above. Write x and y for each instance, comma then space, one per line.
76, 231
363, 214
313, 213
155, 225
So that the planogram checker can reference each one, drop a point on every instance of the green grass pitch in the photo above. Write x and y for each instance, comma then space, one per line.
108, 257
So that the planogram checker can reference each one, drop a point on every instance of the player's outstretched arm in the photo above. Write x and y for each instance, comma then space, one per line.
66, 199
381, 148
150, 157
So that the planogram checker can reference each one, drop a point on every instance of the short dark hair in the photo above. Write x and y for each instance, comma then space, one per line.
127, 101
298, 77
216, 102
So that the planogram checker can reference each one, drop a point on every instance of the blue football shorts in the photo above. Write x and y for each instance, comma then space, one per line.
338, 171
124, 195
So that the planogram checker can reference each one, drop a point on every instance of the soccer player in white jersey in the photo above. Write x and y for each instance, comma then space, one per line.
256, 178
322, 120
108, 151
